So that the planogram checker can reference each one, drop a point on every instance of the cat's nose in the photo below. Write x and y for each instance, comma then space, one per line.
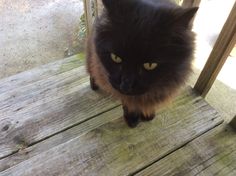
126, 86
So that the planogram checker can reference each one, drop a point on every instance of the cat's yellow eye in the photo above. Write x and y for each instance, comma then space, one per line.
150, 66
115, 58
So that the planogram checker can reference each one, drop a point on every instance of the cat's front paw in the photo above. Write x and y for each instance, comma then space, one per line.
132, 119
93, 85
147, 118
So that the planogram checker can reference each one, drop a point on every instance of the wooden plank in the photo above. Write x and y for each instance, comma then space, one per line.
39, 73
96, 7
41, 109
88, 15
58, 139
99, 7
191, 3
214, 153
115, 149
222, 48
24, 97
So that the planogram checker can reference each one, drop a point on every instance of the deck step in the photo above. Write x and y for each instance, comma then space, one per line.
40, 73
53, 124
54, 98
213, 153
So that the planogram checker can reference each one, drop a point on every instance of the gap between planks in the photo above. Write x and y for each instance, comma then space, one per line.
52, 99
213, 153
138, 172
42, 72
197, 118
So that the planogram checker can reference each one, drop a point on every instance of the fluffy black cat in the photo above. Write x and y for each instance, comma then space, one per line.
140, 51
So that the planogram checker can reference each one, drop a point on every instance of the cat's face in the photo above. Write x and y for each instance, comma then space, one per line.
143, 45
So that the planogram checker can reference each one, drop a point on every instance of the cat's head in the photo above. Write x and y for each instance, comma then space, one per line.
144, 44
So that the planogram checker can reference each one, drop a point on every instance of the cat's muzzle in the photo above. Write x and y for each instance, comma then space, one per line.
128, 88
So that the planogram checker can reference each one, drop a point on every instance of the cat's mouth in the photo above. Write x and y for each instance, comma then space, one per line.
129, 92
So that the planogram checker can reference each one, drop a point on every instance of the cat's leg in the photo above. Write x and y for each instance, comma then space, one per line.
147, 114
93, 85
131, 118
146, 118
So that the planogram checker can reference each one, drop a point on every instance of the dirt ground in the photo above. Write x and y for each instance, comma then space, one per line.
36, 32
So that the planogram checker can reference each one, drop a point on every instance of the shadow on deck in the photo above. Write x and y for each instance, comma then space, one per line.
51, 123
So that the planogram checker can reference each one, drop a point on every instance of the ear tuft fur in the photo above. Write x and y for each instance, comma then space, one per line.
109, 4
185, 16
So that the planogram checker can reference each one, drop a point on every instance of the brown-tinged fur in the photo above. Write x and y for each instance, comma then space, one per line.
159, 94
146, 103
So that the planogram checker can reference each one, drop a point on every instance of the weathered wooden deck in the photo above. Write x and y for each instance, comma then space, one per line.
51, 123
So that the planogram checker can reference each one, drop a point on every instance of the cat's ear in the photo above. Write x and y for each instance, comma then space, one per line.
109, 4
117, 9
185, 16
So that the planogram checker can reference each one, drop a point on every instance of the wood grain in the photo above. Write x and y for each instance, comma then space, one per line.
88, 15
99, 7
96, 7
115, 149
58, 139
39, 73
213, 153
33, 112
222, 48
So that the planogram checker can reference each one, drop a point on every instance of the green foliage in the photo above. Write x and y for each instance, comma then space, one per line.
82, 28
82, 23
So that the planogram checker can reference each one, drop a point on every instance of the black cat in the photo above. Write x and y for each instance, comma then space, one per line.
140, 51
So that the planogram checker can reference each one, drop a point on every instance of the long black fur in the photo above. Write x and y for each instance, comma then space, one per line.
145, 31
